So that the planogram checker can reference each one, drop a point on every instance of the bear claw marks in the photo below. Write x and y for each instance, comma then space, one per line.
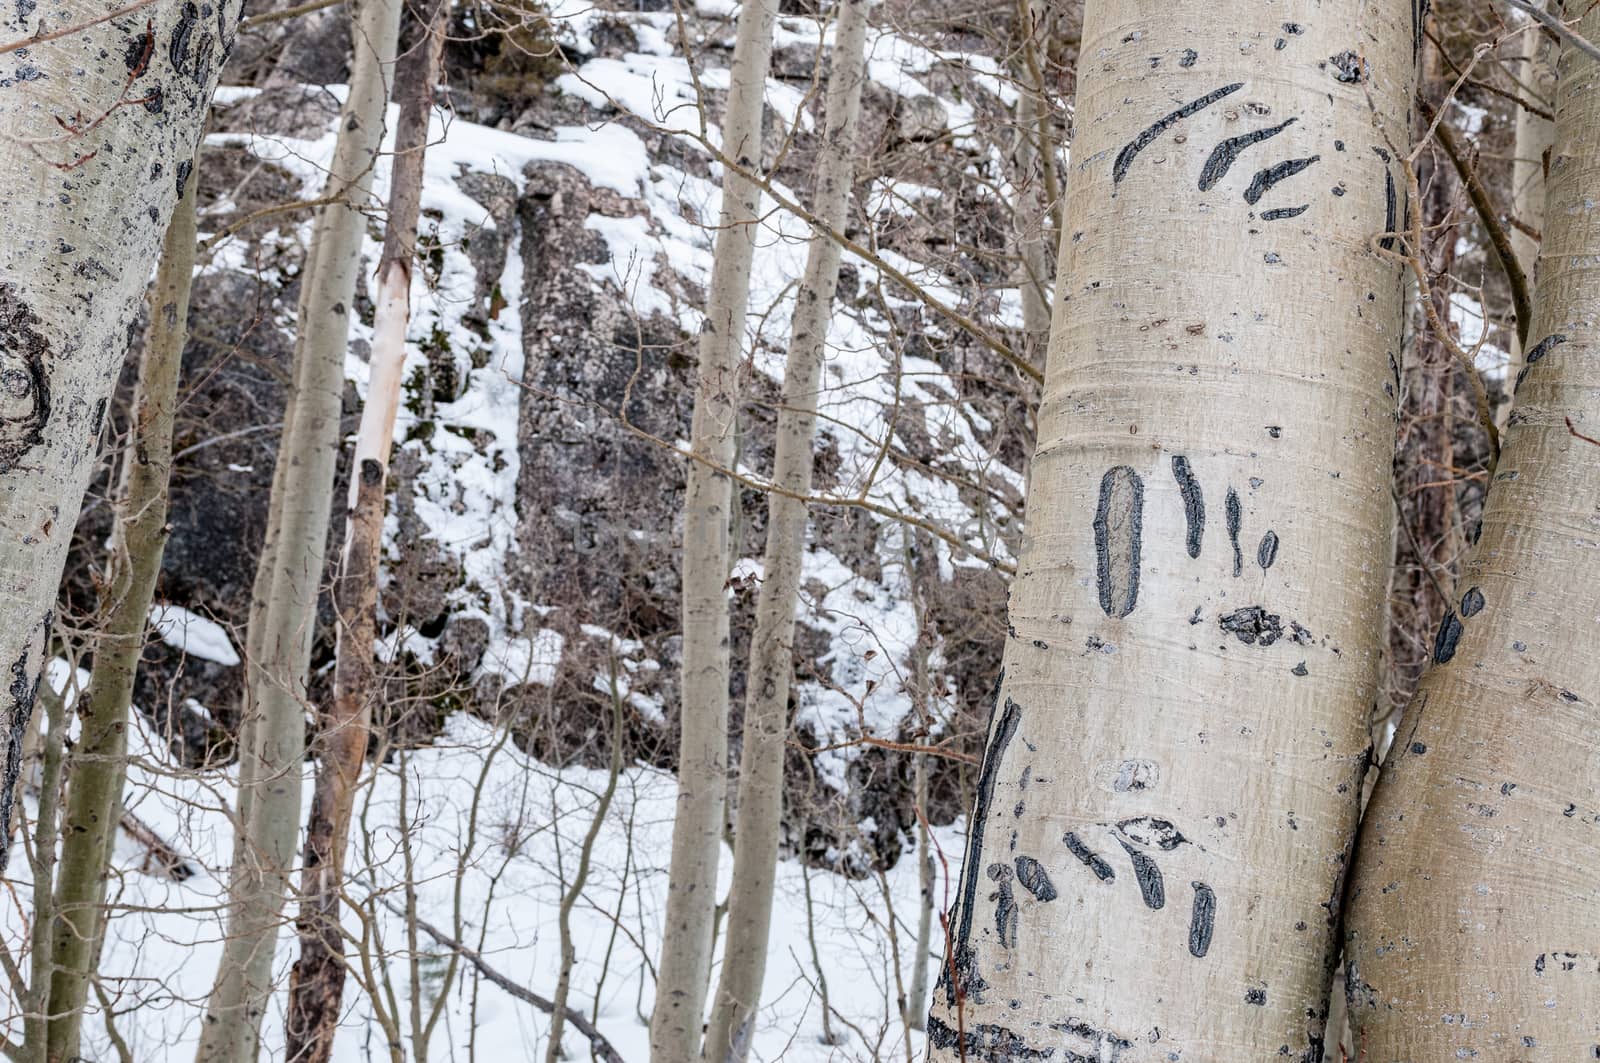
1118, 525
24, 381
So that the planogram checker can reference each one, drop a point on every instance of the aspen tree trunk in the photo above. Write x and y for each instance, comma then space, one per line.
1536, 79
317, 981
689, 927
273, 733
1473, 931
98, 763
99, 132
1170, 786
1035, 179
766, 716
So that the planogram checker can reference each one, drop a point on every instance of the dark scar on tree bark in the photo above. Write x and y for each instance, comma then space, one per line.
1151, 886
1098, 1040
1540, 349
24, 692
1194, 504
1226, 153
1267, 552
1444, 645
1005, 906
1280, 213
1119, 169
1253, 625
1035, 879
1202, 919
993, 1044
1090, 858
24, 379
1472, 602
992, 756
1391, 208
1271, 175
1152, 830
1235, 515
1118, 523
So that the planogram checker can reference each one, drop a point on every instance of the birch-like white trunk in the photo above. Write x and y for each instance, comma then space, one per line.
688, 930
98, 764
317, 981
1536, 81
97, 137
766, 716
1173, 770
273, 733
1473, 929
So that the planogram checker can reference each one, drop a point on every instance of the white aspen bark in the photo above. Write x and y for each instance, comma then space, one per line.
1033, 159
689, 926
1536, 77
1169, 791
97, 136
270, 758
1473, 932
766, 717
98, 764
317, 981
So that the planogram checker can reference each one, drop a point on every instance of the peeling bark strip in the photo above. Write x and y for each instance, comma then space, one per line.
1224, 154
1118, 523
1125, 157
1202, 919
83, 208
1194, 505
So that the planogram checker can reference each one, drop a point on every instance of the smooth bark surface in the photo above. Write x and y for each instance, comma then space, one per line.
1536, 80
98, 763
100, 128
688, 931
273, 743
1173, 771
317, 982
1473, 932
766, 716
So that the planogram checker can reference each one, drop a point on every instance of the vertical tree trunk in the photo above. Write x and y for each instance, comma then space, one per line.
98, 143
766, 717
1034, 177
688, 930
317, 981
1156, 855
1536, 80
273, 735
98, 763
1473, 932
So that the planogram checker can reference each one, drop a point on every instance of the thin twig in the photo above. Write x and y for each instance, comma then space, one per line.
1556, 26
76, 27
267, 17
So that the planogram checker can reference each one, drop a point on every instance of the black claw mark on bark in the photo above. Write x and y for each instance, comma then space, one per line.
1280, 213
1005, 905
1119, 169
1090, 858
24, 692
1278, 171
1225, 154
1253, 625
1391, 207
1444, 646
1194, 504
992, 756
1151, 886
1540, 349
1151, 830
1235, 516
1118, 522
1034, 879
1472, 602
986, 1042
1202, 919
1267, 552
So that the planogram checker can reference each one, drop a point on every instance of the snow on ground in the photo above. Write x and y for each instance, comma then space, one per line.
492, 836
